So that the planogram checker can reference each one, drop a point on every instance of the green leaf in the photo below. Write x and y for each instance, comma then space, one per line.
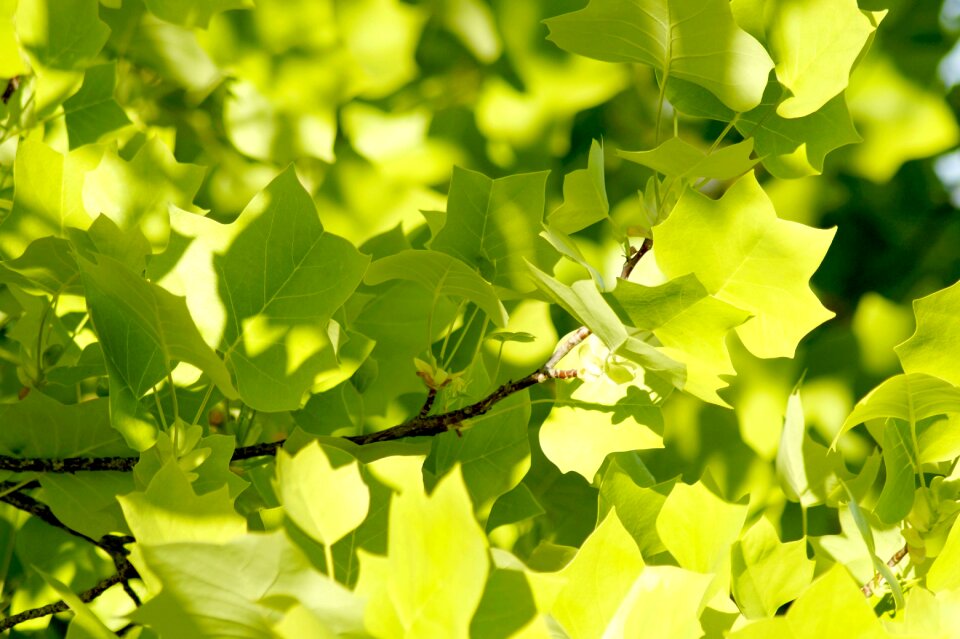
909, 397
87, 502
815, 44
791, 467
11, 65
61, 34
193, 13
85, 623
582, 429
506, 607
832, 608
933, 349
665, 602
696, 547
239, 588
46, 266
584, 302
896, 499
674, 157
435, 568
440, 274
48, 429
599, 577
493, 454
493, 225
139, 192
47, 195
143, 330
669, 36
792, 148
169, 511
943, 575
92, 112
638, 501
517, 505
584, 196
744, 255
327, 502
690, 323
281, 280
766, 572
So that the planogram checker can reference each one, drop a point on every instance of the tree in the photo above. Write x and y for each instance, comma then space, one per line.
260, 378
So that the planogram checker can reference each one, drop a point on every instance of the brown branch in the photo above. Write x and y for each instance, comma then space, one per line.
67, 464
428, 403
12, 85
61, 606
868, 588
423, 424
634, 258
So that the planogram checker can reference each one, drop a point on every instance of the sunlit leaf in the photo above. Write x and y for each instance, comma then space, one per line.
934, 348
494, 225
597, 579
815, 44
584, 196
677, 158
440, 274
746, 256
669, 37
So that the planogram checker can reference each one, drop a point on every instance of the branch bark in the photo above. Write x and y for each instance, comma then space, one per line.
868, 588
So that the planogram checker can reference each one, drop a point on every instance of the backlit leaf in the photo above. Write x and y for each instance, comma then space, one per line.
744, 255
669, 36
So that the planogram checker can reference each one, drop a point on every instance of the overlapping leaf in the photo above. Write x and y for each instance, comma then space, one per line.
690, 323
934, 348
745, 256
672, 38
494, 225
440, 274
281, 279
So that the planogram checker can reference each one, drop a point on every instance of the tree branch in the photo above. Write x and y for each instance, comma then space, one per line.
868, 588
423, 424
61, 606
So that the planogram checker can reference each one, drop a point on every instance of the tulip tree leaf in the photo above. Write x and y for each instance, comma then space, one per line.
494, 225
584, 196
92, 112
815, 44
791, 148
47, 195
326, 502
675, 157
281, 279
690, 323
599, 577
440, 274
61, 34
768, 573
934, 348
669, 35
436, 565
907, 397
143, 330
744, 255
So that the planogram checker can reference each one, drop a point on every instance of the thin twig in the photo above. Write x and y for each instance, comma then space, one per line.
60, 606
868, 588
427, 403
421, 425
67, 464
